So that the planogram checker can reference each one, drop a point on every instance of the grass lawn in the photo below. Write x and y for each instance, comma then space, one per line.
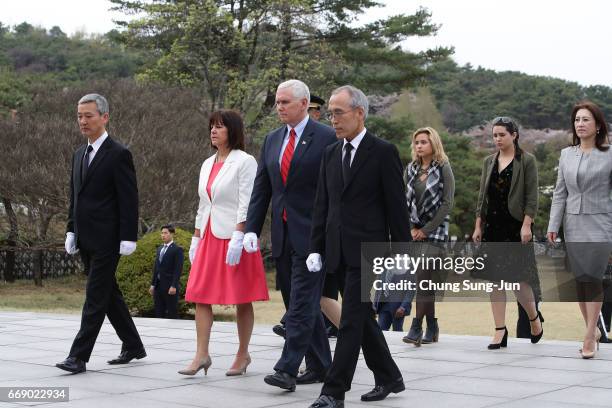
65, 295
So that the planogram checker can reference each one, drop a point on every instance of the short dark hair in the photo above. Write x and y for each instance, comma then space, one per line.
601, 138
169, 227
234, 124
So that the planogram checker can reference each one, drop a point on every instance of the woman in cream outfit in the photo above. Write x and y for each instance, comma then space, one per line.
221, 273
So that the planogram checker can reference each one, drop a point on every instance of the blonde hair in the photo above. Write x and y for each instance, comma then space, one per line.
436, 145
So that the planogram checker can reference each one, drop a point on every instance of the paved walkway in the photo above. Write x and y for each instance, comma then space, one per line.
457, 372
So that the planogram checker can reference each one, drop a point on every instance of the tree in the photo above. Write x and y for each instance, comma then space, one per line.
236, 52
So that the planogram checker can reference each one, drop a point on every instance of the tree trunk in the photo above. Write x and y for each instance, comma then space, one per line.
43, 227
11, 241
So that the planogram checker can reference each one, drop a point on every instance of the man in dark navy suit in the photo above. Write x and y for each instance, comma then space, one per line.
360, 198
167, 270
287, 177
102, 226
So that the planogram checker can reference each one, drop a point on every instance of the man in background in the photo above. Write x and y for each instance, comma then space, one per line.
166, 277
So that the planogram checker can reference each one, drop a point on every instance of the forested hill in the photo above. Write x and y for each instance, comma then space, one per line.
467, 96
31, 55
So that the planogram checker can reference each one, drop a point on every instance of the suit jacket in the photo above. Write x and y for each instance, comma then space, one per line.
371, 207
104, 207
592, 196
167, 273
523, 196
230, 193
297, 197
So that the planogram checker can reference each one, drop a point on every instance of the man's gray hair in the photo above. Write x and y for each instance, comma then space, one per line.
99, 100
299, 89
358, 98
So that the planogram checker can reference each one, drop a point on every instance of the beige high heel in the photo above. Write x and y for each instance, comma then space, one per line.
239, 370
204, 364
592, 354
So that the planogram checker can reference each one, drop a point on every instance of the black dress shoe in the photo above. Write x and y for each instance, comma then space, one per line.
309, 377
380, 392
327, 401
279, 330
72, 364
282, 380
127, 356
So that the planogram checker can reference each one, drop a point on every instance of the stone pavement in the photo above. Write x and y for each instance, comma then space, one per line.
457, 372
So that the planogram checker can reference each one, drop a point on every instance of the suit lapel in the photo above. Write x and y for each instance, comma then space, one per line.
159, 249
575, 163
492, 163
517, 168
300, 148
97, 160
336, 165
361, 156
78, 163
206, 174
275, 148
227, 164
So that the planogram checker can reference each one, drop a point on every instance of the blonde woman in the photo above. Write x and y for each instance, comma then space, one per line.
430, 191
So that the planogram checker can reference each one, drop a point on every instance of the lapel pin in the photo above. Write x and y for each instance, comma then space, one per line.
303, 142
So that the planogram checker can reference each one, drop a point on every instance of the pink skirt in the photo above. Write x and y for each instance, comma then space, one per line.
213, 282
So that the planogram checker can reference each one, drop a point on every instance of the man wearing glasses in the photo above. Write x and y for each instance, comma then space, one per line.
287, 177
364, 202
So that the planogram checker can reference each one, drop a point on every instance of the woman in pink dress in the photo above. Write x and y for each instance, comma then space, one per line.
221, 272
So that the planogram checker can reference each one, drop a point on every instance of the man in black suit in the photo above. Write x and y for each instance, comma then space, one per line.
166, 277
102, 226
360, 198
287, 177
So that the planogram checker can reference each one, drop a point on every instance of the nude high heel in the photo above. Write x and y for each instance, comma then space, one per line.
204, 364
239, 370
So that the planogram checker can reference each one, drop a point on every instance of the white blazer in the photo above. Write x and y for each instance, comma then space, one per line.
231, 192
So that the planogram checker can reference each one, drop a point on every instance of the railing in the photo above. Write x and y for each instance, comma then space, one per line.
53, 263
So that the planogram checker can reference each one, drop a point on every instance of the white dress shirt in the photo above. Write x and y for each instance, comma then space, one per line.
299, 129
96, 146
355, 143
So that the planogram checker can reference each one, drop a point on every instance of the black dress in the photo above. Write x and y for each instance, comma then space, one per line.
508, 262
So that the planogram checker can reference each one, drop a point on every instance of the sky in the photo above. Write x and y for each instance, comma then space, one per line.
563, 39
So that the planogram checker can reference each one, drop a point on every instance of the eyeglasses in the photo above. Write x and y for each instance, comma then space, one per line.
337, 113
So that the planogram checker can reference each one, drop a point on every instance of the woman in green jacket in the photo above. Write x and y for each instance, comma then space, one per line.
507, 205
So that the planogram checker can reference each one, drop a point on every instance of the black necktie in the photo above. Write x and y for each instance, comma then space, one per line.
85, 163
346, 162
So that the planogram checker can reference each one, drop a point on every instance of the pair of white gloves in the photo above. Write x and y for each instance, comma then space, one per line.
234, 249
125, 247
248, 241
313, 262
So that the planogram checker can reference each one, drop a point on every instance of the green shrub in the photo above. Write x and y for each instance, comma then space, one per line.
135, 271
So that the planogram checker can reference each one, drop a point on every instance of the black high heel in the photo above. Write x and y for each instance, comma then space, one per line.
537, 337
504, 341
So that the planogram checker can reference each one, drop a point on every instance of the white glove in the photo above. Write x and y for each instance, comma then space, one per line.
234, 249
250, 242
70, 244
195, 241
127, 247
313, 262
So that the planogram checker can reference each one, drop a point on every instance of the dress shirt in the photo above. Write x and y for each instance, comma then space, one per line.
299, 129
355, 142
96, 146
